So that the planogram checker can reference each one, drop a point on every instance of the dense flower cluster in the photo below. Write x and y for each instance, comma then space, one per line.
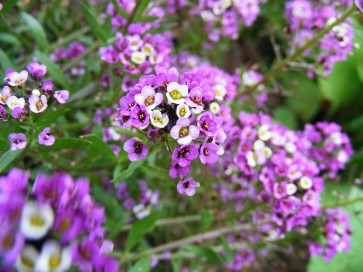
222, 17
63, 55
183, 108
53, 226
337, 231
306, 18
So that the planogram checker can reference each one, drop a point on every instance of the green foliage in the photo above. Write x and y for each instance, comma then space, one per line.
143, 265
92, 21
8, 157
37, 31
202, 251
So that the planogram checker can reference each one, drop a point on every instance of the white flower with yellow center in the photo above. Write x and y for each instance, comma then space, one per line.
158, 119
53, 258
36, 92
305, 183
27, 259
263, 133
255, 158
290, 147
342, 156
135, 42
176, 93
220, 91
138, 57
148, 49
13, 102
18, 79
36, 220
291, 188
182, 110
258, 145
336, 138
267, 152
214, 107
141, 210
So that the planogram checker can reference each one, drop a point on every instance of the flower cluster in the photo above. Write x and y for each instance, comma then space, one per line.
22, 93
307, 18
139, 53
260, 95
64, 55
53, 226
337, 231
183, 108
222, 17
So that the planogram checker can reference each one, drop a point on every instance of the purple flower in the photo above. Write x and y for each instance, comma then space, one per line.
279, 190
15, 181
176, 170
11, 244
187, 186
5, 94
149, 98
38, 104
208, 153
47, 86
19, 114
140, 116
136, 149
45, 138
195, 98
183, 132
85, 253
183, 155
61, 96
36, 70
18, 79
207, 124
3, 113
17, 141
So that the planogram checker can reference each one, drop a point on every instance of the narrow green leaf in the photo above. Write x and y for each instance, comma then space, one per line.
139, 229
101, 147
5, 62
93, 23
8, 157
9, 39
148, 19
142, 7
227, 250
131, 133
207, 220
50, 116
53, 69
120, 10
37, 30
69, 143
129, 171
143, 265
208, 253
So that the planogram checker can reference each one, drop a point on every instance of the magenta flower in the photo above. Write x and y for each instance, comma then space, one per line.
61, 96
37, 70
136, 149
3, 112
176, 170
207, 124
37, 104
183, 132
279, 190
11, 244
187, 186
208, 153
183, 155
149, 98
140, 116
17, 141
45, 138
19, 114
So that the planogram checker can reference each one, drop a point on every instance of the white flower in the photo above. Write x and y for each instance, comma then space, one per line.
138, 57
220, 91
27, 259
305, 183
36, 220
214, 107
38, 104
291, 188
176, 93
13, 102
148, 49
158, 119
254, 159
336, 138
18, 79
141, 210
342, 156
36, 92
134, 42
290, 147
258, 145
267, 152
263, 133
53, 258
182, 110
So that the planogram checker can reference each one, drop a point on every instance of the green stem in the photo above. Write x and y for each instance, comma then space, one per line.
285, 63
132, 16
343, 203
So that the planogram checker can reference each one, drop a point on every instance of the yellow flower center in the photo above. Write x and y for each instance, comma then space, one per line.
27, 263
184, 132
175, 94
8, 242
158, 120
182, 112
54, 261
149, 101
39, 105
37, 221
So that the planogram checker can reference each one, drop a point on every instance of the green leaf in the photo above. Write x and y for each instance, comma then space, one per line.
53, 69
37, 30
7, 6
5, 62
141, 8
9, 39
101, 147
227, 250
207, 220
8, 157
50, 116
208, 253
148, 19
143, 265
93, 23
286, 116
130, 133
120, 10
128, 172
69, 143
139, 229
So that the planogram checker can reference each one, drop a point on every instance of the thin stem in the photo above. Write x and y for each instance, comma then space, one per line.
284, 63
132, 16
168, 144
344, 203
